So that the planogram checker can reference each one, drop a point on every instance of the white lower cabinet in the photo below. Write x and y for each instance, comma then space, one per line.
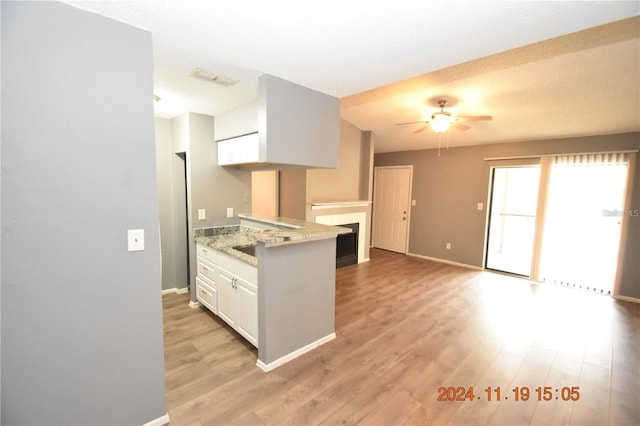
228, 287
238, 305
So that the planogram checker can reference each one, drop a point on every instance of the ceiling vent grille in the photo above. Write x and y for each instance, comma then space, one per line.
211, 77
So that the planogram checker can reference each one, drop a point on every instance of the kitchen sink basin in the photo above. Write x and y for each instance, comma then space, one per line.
249, 249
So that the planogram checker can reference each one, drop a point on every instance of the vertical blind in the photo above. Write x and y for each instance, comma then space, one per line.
581, 230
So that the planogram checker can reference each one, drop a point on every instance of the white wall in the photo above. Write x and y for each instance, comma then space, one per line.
82, 317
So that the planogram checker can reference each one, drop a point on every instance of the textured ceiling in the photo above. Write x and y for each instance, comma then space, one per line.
582, 84
470, 52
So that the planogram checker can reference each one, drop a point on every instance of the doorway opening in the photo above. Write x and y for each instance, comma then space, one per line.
181, 224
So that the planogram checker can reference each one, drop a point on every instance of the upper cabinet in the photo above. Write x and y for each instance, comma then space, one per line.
291, 126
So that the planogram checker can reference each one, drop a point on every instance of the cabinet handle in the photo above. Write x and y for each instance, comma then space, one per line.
204, 252
204, 268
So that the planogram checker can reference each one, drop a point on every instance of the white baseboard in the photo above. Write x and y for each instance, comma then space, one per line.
193, 304
280, 361
175, 290
435, 259
627, 299
160, 421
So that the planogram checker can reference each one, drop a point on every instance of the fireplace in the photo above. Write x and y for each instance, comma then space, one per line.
347, 246
340, 219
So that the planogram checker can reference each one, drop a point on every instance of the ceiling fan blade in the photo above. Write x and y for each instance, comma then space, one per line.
413, 122
461, 126
474, 117
421, 129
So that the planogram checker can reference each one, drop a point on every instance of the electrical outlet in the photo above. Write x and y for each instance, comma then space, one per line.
229, 211
202, 214
413, 202
448, 246
480, 206
135, 239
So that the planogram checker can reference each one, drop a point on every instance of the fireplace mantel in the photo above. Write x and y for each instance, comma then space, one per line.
339, 204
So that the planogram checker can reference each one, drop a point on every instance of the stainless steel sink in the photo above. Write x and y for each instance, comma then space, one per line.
249, 249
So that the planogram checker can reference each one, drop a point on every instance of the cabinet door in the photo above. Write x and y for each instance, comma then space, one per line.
240, 150
247, 310
226, 297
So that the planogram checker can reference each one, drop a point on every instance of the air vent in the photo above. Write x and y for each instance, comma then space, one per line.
211, 77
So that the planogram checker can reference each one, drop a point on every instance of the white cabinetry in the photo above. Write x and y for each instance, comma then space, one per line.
207, 278
240, 150
238, 305
233, 285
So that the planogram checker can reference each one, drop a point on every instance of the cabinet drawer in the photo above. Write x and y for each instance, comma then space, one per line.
206, 253
238, 268
207, 295
206, 269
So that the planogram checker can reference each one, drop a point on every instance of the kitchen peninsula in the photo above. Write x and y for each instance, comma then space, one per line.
273, 280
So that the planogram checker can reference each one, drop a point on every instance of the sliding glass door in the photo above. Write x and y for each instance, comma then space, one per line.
512, 219
560, 221
585, 208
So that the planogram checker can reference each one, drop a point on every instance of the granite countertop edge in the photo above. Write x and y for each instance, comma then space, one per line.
224, 238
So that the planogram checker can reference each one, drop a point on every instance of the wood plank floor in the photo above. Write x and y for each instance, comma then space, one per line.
406, 327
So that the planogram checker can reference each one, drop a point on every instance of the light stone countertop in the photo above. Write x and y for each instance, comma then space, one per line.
224, 238
290, 230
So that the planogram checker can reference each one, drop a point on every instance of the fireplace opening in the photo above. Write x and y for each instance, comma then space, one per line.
347, 246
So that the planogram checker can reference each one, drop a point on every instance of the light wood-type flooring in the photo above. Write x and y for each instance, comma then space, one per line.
406, 327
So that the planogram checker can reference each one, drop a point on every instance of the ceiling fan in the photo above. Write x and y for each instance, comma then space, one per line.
442, 120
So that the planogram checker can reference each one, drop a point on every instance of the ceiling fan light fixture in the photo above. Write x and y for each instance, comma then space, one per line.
440, 122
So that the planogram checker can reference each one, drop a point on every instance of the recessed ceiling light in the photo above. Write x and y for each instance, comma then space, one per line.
211, 77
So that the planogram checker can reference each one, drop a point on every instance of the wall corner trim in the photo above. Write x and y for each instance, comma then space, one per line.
160, 421
435, 259
283, 360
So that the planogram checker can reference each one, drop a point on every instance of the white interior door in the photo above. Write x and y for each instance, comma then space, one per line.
391, 201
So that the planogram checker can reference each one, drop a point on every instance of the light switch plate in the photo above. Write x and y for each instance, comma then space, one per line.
480, 206
413, 202
135, 239
202, 214
229, 211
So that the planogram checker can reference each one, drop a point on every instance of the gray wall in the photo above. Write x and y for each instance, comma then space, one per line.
209, 187
447, 189
297, 125
81, 316
296, 296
